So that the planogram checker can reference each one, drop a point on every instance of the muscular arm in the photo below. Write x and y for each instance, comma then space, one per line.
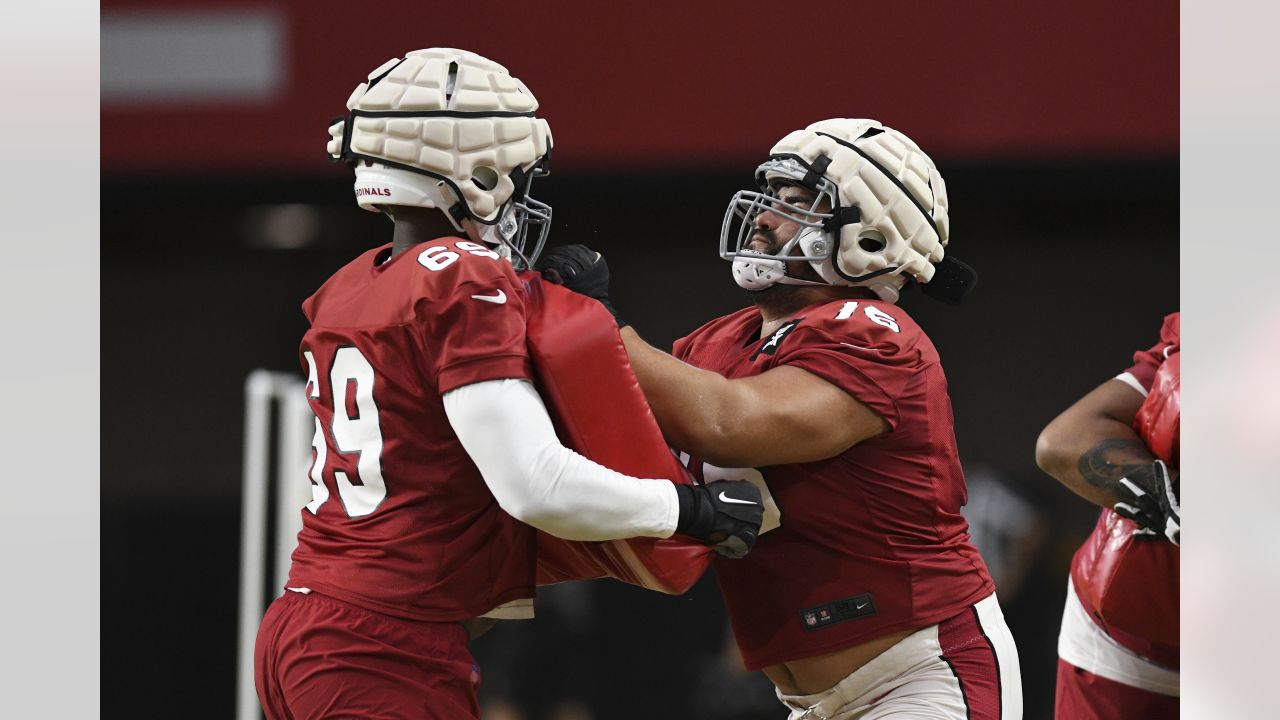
784, 415
1092, 444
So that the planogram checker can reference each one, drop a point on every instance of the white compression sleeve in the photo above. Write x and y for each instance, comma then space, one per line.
505, 428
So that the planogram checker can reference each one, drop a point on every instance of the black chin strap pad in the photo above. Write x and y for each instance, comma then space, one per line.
952, 280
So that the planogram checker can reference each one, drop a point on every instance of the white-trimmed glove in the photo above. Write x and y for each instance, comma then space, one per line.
1157, 511
724, 513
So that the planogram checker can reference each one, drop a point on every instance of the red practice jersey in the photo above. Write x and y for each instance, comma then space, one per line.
872, 541
401, 521
1128, 583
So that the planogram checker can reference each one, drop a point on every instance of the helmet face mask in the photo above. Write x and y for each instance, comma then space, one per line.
521, 228
884, 220
756, 270
451, 130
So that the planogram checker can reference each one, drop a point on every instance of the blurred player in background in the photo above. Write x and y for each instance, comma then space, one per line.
1117, 447
869, 600
435, 458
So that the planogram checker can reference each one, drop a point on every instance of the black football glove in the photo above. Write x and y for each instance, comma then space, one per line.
1155, 509
582, 270
725, 513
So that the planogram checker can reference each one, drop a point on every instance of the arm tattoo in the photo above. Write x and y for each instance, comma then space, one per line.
1105, 463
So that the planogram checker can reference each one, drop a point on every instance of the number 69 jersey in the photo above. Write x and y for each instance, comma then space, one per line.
401, 521
871, 541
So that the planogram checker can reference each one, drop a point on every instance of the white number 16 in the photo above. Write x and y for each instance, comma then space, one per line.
875, 314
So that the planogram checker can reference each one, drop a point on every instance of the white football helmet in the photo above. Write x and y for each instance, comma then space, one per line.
887, 217
451, 130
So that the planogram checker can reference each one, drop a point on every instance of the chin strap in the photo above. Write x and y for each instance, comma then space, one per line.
757, 271
788, 280
761, 272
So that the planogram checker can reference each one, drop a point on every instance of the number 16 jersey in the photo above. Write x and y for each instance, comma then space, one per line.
401, 521
872, 540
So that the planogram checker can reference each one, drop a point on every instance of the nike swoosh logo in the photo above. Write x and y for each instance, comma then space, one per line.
726, 498
498, 299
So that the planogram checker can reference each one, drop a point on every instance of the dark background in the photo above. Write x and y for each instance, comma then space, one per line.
1059, 147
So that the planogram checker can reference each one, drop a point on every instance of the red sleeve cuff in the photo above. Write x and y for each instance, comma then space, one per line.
840, 372
486, 368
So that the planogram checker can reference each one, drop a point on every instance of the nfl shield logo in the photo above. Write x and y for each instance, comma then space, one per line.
810, 619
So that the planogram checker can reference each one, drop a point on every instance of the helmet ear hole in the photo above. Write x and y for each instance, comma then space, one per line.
485, 178
873, 243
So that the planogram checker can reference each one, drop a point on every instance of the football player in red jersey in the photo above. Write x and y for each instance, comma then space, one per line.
434, 456
1118, 447
868, 600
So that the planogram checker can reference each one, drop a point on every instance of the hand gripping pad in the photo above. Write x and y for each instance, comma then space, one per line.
599, 410
1131, 583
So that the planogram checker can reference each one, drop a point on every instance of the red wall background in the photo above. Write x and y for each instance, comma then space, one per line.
666, 82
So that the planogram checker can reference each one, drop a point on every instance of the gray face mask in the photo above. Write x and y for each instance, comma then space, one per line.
521, 231
756, 269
